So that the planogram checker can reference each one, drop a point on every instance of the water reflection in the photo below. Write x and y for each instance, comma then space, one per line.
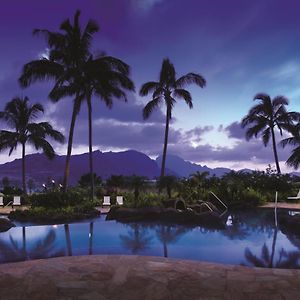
16, 250
137, 239
169, 234
250, 239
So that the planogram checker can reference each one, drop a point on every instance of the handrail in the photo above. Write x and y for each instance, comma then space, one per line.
204, 203
219, 199
9, 203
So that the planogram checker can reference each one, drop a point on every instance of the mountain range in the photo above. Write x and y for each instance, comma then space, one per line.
130, 162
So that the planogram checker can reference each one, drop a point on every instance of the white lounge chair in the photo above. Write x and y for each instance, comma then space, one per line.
17, 201
295, 198
106, 201
1, 201
120, 200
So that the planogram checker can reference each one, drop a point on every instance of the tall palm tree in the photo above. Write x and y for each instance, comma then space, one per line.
166, 90
105, 77
266, 116
19, 115
69, 49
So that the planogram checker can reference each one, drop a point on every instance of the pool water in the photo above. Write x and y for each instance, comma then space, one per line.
250, 238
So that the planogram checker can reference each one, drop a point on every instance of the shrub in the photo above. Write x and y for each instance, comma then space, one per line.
57, 199
53, 215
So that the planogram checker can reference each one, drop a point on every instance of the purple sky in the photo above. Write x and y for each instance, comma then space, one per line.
240, 47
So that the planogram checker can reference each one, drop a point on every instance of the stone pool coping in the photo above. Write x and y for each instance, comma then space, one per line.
141, 277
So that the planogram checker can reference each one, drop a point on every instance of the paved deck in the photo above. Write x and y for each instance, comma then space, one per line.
146, 278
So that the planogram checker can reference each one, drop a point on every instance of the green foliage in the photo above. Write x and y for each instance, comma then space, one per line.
144, 200
167, 182
57, 199
48, 215
85, 180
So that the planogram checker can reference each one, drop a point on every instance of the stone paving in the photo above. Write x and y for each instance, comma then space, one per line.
138, 277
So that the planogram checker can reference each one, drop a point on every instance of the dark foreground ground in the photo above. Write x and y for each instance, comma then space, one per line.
146, 278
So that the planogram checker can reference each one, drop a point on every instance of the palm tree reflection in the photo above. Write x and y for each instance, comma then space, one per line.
168, 234
43, 248
137, 239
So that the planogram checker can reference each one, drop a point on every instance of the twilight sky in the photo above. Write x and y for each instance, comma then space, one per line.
241, 47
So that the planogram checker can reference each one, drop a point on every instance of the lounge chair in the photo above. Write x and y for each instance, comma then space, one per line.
120, 200
295, 198
106, 201
17, 201
1, 201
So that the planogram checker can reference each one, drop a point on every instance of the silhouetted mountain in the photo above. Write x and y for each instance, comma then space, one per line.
126, 163
184, 168
40, 169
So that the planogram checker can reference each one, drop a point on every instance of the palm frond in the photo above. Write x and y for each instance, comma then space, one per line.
185, 95
149, 87
150, 106
191, 78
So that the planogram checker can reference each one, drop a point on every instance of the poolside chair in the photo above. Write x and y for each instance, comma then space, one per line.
106, 201
1, 201
17, 201
295, 198
120, 200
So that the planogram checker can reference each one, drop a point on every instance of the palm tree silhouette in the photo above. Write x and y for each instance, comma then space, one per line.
77, 73
68, 51
19, 115
105, 77
167, 89
267, 115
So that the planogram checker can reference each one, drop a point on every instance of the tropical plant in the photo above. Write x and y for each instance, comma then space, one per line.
77, 73
166, 90
168, 182
69, 50
85, 180
266, 116
137, 183
19, 115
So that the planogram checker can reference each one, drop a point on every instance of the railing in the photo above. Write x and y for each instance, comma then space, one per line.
9, 203
204, 203
226, 207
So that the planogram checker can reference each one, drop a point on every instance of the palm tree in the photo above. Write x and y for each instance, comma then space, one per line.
105, 77
77, 73
294, 140
68, 51
19, 115
267, 115
167, 89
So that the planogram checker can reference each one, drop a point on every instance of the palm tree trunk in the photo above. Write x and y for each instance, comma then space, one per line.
163, 165
23, 169
273, 247
69, 151
91, 146
275, 151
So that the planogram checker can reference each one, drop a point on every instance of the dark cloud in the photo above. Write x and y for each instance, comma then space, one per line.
235, 130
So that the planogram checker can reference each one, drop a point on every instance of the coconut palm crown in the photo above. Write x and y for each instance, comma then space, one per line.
19, 115
167, 90
267, 115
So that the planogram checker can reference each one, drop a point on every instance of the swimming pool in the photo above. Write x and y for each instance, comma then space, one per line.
250, 238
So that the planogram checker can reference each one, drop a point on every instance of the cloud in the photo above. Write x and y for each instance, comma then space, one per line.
145, 5
234, 130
